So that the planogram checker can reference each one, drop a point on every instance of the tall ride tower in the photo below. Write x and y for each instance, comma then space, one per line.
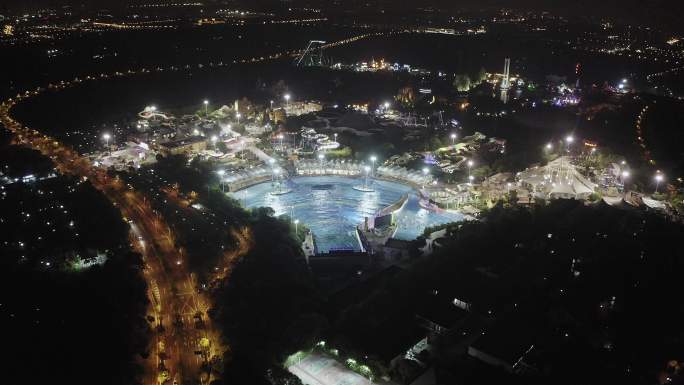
506, 83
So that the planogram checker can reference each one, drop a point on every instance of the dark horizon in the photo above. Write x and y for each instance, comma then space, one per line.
660, 14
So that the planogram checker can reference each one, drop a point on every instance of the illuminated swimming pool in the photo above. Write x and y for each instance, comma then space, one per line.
331, 208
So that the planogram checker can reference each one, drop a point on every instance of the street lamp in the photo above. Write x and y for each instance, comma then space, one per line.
569, 139
373, 158
206, 107
221, 174
426, 171
272, 162
453, 139
106, 137
471, 179
280, 136
549, 146
320, 158
387, 105
153, 108
470, 165
367, 170
287, 99
296, 222
623, 177
659, 178
271, 104
238, 118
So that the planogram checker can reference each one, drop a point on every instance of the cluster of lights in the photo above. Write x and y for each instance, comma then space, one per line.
133, 26
640, 135
165, 5
299, 21
69, 162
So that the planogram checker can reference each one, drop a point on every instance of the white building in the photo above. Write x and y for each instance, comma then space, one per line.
559, 179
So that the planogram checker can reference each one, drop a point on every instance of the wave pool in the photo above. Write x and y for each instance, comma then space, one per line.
331, 208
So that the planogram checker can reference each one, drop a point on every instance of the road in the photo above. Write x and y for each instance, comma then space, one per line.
175, 300
182, 328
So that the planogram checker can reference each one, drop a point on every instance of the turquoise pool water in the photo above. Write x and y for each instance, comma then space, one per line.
331, 208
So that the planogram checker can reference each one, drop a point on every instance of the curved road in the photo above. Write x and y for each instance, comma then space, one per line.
179, 308
184, 337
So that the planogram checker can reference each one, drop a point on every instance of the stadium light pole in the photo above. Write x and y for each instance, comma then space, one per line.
625, 175
221, 174
659, 178
276, 172
272, 162
568, 140
106, 137
425, 174
623, 179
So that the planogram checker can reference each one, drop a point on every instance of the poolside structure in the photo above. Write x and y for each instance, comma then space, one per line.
242, 179
401, 174
329, 167
414, 178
